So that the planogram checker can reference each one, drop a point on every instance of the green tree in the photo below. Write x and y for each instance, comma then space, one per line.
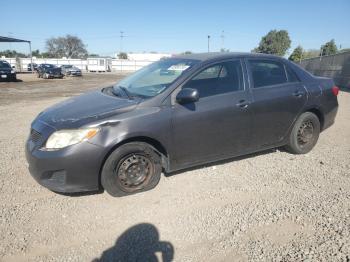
297, 54
66, 46
12, 53
36, 53
329, 48
123, 55
186, 53
275, 42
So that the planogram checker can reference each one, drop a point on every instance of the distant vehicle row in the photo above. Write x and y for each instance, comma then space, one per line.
7, 73
47, 71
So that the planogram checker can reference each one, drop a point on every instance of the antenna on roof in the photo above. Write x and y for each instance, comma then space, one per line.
208, 43
121, 41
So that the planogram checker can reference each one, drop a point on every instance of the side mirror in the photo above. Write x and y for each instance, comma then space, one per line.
13, 67
187, 95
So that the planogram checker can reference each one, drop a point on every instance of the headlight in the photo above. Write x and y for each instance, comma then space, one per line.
64, 138
13, 71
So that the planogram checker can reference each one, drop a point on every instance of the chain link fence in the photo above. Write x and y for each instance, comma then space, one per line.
333, 66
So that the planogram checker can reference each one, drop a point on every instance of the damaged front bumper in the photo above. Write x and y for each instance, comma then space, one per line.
71, 169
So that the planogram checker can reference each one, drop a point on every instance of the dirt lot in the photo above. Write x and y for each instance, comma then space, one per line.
267, 206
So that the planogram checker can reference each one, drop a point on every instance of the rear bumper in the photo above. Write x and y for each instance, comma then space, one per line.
72, 169
55, 75
75, 73
329, 118
7, 76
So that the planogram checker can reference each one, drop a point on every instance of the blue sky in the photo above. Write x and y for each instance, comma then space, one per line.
174, 26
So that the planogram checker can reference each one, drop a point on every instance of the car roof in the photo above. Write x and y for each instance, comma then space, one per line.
223, 55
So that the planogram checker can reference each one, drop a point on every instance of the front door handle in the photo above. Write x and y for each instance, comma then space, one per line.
243, 104
298, 94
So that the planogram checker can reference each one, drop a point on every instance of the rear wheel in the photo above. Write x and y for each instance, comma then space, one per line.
132, 168
304, 134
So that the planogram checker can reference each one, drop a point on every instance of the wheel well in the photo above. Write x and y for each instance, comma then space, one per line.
160, 149
154, 143
319, 114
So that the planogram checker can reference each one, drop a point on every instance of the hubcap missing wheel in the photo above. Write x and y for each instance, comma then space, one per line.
134, 171
305, 132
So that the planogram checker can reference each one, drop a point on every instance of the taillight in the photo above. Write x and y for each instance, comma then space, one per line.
335, 90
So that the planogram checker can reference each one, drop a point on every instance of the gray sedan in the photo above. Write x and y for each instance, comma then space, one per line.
178, 113
70, 70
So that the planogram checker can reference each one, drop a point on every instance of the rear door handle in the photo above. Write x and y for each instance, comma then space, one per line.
298, 93
243, 104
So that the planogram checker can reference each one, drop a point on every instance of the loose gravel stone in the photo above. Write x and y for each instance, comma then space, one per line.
269, 206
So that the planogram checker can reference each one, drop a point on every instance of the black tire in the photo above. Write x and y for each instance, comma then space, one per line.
304, 134
123, 166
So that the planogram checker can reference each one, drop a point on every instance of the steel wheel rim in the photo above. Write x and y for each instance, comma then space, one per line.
134, 171
305, 133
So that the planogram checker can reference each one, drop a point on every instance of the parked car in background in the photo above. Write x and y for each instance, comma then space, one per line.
29, 67
212, 106
7, 73
47, 71
70, 70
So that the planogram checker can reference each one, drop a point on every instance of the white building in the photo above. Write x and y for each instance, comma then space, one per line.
99, 64
146, 56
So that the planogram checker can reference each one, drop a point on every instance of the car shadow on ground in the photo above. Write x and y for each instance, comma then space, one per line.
12, 81
80, 194
139, 243
225, 161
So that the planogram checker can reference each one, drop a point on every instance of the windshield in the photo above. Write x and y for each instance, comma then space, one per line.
154, 78
48, 66
4, 64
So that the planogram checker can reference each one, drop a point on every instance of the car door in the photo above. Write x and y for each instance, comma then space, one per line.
278, 98
219, 123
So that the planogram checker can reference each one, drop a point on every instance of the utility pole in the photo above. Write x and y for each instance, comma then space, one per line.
222, 41
208, 43
121, 41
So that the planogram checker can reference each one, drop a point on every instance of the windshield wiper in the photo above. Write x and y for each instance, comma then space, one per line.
125, 90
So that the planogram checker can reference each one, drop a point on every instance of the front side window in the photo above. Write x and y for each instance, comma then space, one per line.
154, 78
267, 73
218, 79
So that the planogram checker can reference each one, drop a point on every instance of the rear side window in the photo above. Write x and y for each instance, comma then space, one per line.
267, 73
292, 77
218, 79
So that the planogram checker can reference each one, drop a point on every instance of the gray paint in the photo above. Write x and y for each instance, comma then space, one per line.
213, 128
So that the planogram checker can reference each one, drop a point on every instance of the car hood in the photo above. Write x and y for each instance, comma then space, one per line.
53, 69
73, 69
84, 109
5, 70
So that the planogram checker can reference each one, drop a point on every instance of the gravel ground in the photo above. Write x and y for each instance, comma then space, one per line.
267, 206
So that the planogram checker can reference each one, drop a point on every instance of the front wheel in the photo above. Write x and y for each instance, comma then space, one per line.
132, 168
304, 134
